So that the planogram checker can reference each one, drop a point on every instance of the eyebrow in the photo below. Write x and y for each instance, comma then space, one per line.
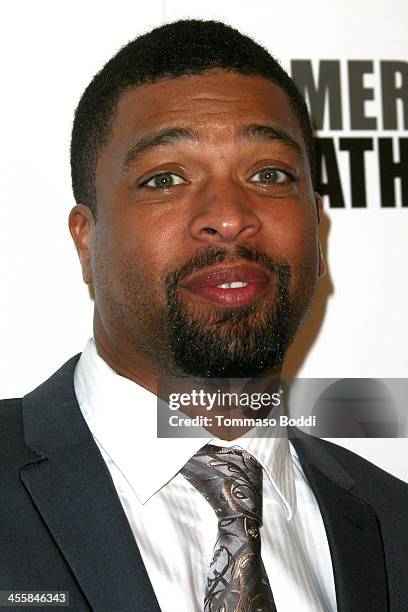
179, 135
162, 138
268, 133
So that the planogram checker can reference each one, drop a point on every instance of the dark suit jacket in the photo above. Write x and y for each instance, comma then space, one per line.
62, 526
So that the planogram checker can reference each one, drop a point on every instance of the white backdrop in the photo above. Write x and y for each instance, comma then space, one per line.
50, 51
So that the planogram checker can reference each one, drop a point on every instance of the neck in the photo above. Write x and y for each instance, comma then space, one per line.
224, 396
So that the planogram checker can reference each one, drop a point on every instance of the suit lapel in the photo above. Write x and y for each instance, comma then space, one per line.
72, 489
352, 529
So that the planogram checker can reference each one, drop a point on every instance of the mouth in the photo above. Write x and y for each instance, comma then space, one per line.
229, 285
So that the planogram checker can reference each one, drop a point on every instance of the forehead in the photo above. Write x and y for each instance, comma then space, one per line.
215, 104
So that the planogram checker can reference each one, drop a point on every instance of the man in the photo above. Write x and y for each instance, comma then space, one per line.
196, 228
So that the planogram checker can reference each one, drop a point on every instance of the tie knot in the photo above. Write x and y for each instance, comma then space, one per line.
229, 479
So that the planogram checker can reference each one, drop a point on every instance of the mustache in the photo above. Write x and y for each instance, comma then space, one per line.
216, 255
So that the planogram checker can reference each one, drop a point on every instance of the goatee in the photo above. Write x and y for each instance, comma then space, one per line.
233, 343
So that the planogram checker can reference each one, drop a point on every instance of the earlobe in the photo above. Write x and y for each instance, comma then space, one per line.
319, 211
319, 206
322, 265
81, 226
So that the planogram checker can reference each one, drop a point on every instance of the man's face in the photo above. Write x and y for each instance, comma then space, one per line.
204, 256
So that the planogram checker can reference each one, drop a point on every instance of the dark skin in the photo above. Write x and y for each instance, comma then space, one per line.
216, 187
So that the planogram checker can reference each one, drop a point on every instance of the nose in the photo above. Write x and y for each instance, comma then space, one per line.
224, 214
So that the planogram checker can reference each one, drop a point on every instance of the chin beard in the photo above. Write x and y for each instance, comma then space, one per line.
235, 343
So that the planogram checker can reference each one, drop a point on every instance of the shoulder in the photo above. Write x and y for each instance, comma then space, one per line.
361, 467
10, 420
13, 448
19, 416
378, 487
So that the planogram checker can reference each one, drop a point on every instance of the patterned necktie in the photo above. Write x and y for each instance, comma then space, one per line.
231, 481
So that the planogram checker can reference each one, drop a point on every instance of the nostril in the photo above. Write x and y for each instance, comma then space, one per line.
210, 230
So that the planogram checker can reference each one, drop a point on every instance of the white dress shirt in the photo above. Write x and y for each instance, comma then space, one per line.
174, 526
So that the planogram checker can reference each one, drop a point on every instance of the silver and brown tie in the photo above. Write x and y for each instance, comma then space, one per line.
231, 481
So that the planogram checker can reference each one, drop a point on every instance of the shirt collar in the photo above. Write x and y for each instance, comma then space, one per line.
122, 417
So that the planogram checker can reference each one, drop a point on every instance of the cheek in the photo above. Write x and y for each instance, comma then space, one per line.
136, 251
293, 238
294, 233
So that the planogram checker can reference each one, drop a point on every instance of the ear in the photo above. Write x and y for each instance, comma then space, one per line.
81, 225
319, 212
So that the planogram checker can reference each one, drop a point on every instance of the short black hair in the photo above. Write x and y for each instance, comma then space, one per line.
175, 49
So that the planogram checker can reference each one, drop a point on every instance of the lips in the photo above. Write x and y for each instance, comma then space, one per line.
231, 285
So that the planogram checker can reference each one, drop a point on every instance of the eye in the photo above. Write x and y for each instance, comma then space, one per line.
163, 180
271, 176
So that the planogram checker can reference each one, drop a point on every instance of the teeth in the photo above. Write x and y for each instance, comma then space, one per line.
234, 285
